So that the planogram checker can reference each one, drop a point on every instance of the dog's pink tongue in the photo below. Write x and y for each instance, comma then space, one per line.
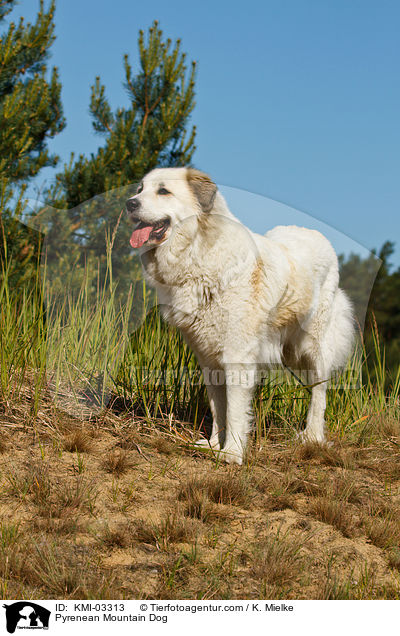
140, 236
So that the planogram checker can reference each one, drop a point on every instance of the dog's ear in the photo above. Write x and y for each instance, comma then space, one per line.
202, 187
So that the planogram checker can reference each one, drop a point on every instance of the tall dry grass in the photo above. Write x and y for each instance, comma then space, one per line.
90, 346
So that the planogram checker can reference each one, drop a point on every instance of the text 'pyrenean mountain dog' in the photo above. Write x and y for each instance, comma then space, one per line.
241, 300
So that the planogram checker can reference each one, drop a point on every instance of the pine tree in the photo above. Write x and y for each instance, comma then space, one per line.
30, 113
30, 104
151, 131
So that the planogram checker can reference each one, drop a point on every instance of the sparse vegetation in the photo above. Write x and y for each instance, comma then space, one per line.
277, 560
91, 481
117, 462
333, 512
77, 441
384, 532
173, 528
231, 488
194, 528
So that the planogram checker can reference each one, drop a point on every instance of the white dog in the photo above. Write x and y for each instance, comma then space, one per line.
241, 300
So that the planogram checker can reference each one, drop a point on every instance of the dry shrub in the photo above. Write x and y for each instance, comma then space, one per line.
175, 528
174, 577
10, 534
79, 495
390, 469
394, 559
34, 481
52, 499
303, 524
306, 487
345, 489
335, 589
164, 446
18, 484
361, 586
128, 441
66, 571
65, 499
3, 444
41, 485
13, 562
381, 506
386, 425
279, 502
62, 525
286, 484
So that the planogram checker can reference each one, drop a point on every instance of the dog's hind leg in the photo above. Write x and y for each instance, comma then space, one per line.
315, 427
318, 359
328, 352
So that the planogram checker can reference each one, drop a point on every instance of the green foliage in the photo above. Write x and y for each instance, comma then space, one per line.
30, 104
150, 132
382, 303
30, 114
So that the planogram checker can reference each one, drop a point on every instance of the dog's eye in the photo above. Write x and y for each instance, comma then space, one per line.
139, 188
163, 191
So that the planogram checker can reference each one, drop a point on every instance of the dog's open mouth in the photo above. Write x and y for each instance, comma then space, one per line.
152, 234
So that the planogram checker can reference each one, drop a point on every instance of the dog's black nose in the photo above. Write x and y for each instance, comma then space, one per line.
132, 205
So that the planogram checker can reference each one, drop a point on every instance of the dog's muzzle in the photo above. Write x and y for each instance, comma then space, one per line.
132, 206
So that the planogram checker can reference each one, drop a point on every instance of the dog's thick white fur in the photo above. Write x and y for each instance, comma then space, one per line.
241, 300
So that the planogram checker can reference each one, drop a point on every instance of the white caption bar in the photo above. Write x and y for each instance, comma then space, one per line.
177, 617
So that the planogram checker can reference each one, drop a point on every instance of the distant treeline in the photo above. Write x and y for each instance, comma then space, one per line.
382, 301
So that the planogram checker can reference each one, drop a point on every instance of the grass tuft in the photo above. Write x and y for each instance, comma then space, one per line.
277, 561
77, 441
117, 462
384, 532
334, 512
120, 536
173, 528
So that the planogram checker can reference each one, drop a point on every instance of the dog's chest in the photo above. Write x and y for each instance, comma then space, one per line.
197, 310
193, 302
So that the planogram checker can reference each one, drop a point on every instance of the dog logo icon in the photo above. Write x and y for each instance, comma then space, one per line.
26, 615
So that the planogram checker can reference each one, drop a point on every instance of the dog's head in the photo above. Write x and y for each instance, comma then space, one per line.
165, 198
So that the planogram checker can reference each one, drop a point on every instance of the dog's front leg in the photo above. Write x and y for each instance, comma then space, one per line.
217, 397
238, 417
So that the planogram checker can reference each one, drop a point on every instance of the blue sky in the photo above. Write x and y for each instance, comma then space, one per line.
297, 100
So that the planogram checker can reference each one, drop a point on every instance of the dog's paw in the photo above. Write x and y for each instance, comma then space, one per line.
306, 437
231, 455
207, 444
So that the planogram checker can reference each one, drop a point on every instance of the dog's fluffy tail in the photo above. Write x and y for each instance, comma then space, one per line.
342, 329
